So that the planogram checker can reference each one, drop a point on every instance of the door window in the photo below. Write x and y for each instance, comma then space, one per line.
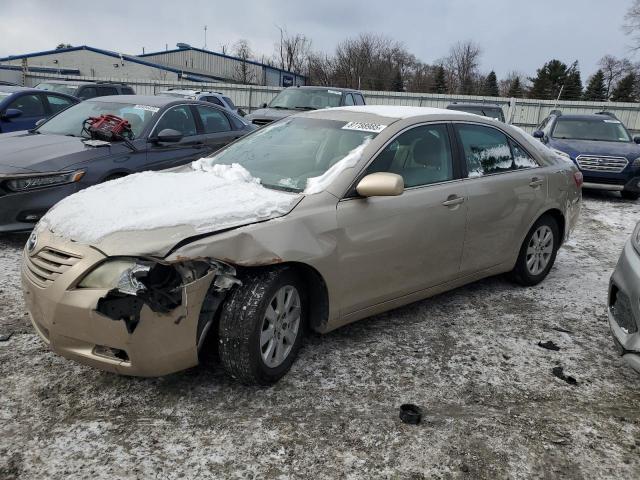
486, 150
348, 99
358, 98
58, 103
521, 157
88, 92
214, 100
29, 105
178, 118
104, 91
213, 121
421, 156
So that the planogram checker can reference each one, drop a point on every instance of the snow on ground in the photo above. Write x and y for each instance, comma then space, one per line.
207, 198
469, 358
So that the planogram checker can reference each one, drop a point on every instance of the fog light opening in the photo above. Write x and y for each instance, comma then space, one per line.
112, 353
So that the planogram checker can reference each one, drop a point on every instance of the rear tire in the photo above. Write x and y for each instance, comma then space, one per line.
538, 252
629, 195
262, 326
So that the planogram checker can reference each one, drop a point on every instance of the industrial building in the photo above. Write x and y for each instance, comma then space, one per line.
183, 63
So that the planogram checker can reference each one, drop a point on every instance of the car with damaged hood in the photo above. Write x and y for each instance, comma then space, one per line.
310, 223
68, 152
294, 100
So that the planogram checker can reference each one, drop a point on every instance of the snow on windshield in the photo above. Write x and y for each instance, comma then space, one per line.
219, 197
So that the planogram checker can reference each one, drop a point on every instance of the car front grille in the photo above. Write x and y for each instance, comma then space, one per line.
593, 163
48, 264
623, 314
261, 121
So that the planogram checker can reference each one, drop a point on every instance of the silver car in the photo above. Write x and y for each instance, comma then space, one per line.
624, 302
312, 222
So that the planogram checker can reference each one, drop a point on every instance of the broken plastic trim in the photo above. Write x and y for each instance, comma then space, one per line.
159, 286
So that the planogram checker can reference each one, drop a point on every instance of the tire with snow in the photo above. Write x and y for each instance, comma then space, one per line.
538, 252
262, 326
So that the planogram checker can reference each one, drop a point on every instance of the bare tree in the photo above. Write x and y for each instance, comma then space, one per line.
224, 48
507, 84
244, 72
632, 24
463, 60
614, 69
292, 51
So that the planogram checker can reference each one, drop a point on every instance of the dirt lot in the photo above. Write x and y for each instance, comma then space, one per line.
470, 358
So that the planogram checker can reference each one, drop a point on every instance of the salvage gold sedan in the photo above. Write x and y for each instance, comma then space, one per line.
312, 222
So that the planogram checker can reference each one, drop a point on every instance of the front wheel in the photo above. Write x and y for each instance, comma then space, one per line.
262, 325
538, 252
629, 195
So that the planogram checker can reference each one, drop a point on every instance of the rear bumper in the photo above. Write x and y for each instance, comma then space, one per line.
624, 306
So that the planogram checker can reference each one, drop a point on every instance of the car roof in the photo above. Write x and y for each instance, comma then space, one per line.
150, 100
190, 91
15, 89
82, 82
315, 87
585, 116
392, 111
473, 105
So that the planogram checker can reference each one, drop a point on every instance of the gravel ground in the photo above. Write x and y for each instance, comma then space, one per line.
469, 358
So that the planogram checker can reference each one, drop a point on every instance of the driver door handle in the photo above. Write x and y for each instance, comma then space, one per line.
536, 182
453, 200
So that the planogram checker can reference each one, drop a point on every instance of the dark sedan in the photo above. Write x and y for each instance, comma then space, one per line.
40, 167
21, 108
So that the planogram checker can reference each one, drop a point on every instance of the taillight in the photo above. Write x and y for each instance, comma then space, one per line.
578, 178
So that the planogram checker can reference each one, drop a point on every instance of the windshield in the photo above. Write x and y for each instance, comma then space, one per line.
69, 122
286, 154
306, 99
604, 130
58, 87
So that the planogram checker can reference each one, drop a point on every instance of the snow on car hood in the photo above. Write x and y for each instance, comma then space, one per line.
207, 198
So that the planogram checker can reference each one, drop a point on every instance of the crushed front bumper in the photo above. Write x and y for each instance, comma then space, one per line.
624, 306
66, 317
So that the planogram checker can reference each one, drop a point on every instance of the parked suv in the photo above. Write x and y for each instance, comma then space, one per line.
491, 110
601, 147
85, 90
296, 99
216, 98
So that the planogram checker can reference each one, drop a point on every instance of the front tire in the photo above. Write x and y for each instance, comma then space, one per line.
538, 252
629, 195
262, 326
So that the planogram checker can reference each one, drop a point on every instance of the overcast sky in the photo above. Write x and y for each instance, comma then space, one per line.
514, 34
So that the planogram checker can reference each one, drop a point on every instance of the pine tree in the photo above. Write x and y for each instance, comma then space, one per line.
596, 90
515, 90
573, 84
549, 80
397, 85
625, 90
491, 85
440, 81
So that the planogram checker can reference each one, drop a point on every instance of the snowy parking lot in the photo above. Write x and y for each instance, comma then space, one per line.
470, 358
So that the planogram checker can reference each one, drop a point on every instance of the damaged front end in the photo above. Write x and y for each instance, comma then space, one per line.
134, 283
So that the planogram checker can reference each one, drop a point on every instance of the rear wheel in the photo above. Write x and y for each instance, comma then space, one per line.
538, 252
262, 326
629, 195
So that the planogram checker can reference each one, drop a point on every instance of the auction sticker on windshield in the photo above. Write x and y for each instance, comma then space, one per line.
364, 127
148, 108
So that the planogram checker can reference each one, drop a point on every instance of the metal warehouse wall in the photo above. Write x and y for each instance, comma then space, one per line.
524, 113
93, 64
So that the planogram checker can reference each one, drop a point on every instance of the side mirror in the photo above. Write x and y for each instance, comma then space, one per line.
381, 184
636, 139
264, 105
40, 122
11, 113
538, 134
168, 135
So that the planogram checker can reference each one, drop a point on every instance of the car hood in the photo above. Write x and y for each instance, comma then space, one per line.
589, 147
43, 153
150, 212
271, 114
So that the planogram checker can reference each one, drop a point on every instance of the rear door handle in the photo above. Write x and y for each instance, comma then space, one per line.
453, 200
536, 182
